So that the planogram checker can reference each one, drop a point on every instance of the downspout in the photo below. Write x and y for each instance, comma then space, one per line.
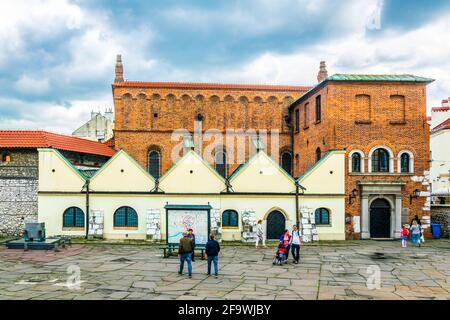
290, 125
87, 208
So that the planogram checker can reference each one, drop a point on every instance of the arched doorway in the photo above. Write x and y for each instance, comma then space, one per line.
380, 219
276, 224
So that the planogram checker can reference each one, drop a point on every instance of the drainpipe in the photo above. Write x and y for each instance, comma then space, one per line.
87, 208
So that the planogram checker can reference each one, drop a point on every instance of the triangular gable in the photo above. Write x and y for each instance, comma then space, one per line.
57, 174
327, 176
262, 174
192, 174
122, 174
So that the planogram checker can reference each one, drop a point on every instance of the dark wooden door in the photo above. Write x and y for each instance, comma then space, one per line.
276, 224
380, 219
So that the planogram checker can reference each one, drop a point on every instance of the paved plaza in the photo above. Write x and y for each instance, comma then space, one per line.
343, 270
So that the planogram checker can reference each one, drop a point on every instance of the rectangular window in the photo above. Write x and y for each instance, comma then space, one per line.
297, 120
306, 120
318, 108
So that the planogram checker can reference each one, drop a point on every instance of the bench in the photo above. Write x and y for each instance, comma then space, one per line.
170, 248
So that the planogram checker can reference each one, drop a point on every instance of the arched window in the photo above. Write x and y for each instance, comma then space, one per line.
380, 160
125, 217
318, 154
322, 216
404, 163
73, 217
221, 163
230, 218
154, 164
356, 162
286, 161
6, 157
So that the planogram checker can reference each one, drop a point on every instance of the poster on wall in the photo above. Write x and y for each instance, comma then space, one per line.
181, 219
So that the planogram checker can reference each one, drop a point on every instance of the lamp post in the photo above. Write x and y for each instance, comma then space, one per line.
415, 195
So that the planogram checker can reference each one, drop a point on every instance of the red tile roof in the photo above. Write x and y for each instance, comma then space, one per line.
437, 109
44, 139
193, 85
444, 125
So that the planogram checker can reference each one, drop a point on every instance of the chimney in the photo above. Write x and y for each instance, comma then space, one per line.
323, 73
119, 70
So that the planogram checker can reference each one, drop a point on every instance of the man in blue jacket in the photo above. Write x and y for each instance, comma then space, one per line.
212, 250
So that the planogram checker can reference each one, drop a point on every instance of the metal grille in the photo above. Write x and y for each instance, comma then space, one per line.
154, 164
73, 217
125, 217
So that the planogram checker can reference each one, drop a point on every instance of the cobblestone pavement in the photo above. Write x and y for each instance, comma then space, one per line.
328, 271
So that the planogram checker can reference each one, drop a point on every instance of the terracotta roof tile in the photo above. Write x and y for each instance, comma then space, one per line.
44, 139
444, 125
437, 109
193, 85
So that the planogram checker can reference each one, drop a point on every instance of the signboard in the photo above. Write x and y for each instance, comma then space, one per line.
181, 218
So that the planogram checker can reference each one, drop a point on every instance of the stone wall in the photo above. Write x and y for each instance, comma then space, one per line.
441, 215
18, 191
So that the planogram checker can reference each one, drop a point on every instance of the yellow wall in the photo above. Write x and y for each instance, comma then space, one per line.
111, 178
262, 174
328, 177
202, 179
64, 178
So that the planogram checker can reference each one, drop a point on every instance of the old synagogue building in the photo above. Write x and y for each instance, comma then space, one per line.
379, 121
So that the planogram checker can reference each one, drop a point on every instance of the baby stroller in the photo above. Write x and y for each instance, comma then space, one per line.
280, 255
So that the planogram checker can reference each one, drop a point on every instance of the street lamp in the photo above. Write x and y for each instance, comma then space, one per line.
414, 195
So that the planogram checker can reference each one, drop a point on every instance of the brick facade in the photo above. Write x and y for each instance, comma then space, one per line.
361, 116
146, 116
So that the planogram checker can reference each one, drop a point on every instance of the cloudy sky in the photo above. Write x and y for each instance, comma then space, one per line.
57, 56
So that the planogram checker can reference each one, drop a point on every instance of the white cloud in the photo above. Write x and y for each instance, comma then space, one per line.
29, 85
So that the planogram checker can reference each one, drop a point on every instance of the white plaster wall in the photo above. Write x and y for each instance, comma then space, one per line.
440, 148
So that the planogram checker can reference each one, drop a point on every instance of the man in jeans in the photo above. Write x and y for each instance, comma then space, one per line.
295, 243
185, 252
212, 253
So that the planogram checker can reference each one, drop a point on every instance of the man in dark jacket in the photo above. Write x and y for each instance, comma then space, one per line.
212, 253
184, 252
191, 236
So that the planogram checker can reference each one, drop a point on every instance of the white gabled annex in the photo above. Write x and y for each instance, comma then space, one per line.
326, 176
192, 174
122, 174
261, 174
56, 173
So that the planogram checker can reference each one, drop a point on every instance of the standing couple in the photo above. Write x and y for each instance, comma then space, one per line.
186, 253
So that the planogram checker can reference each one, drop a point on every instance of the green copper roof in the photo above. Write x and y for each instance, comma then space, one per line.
379, 77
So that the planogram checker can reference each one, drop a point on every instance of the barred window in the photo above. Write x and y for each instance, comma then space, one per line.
380, 160
154, 164
404, 163
221, 163
125, 217
286, 161
356, 162
318, 108
73, 217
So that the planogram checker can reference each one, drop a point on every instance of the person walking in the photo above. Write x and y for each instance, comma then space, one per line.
191, 236
212, 250
185, 252
404, 232
416, 232
260, 237
295, 243
286, 239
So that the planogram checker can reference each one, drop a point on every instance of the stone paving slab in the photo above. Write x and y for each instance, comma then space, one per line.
330, 271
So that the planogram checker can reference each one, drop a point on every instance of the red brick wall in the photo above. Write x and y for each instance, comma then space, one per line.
146, 117
347, 124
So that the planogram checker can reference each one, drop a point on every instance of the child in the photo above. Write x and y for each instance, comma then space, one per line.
404, 233
281, 253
